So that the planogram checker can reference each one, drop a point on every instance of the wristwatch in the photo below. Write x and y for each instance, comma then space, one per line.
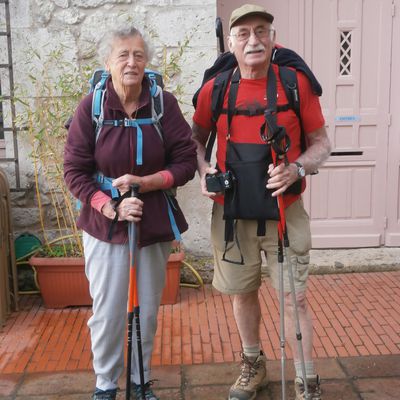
301, 172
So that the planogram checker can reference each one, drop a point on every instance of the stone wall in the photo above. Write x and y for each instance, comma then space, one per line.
40, 26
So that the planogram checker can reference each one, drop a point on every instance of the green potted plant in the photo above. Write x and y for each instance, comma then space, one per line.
45, 103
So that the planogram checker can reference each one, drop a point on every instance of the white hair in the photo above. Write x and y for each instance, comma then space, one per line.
106, 44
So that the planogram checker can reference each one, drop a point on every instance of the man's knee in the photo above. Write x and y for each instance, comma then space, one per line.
301, 301
246, 298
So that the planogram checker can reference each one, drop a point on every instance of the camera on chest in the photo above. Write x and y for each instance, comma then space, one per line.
219, 182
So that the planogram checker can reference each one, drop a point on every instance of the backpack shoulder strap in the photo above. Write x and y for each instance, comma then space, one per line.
218, 93
99, 90
217, 100
288, 78
157, 100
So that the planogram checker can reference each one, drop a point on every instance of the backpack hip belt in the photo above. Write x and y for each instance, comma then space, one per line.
105, 183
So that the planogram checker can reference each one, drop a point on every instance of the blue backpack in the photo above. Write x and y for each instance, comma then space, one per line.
98, 87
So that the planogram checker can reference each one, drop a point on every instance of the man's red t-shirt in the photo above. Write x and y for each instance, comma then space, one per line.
246, 129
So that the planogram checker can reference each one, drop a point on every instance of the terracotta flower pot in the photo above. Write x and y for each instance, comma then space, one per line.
173, 278
63, 282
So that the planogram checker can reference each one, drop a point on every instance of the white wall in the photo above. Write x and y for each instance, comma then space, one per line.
78, 25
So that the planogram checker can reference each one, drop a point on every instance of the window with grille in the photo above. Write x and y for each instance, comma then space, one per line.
345, 53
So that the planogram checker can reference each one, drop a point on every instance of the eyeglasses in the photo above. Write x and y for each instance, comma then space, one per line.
260, 33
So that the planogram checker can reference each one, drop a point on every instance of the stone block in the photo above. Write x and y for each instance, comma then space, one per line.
45, 384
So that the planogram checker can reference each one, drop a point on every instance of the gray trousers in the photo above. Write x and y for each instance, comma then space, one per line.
107, 269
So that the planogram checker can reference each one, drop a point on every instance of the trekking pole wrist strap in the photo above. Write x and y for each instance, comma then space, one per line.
115, 203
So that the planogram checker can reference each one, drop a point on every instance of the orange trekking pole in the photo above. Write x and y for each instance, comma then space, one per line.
279, 141
133, 308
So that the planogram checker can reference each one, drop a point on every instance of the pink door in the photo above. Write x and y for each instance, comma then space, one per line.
348, 45
393, 180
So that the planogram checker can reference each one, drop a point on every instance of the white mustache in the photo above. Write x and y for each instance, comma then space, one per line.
259, 47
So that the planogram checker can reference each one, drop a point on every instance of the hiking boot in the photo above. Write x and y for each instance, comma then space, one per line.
99, 394
313, 385
252, 378
136, 392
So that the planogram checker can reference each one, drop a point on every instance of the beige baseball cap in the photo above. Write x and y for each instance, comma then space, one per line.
246, 10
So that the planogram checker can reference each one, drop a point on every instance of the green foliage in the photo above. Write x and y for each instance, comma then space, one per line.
60, 250
53, 90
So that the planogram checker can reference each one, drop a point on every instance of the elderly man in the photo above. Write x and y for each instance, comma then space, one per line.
252, 40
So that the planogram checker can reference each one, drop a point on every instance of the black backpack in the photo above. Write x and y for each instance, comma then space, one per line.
223, 69
251, 172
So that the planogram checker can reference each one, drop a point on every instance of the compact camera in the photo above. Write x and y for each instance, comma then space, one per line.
219, 182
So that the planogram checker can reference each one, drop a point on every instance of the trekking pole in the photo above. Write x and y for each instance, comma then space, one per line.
281, 314
133, 308
219, 31
279, 141
299, 336
283, 236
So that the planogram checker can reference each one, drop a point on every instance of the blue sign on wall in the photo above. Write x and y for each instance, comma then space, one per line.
347, 118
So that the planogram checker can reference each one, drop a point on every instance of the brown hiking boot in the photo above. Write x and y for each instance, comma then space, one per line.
252, 378
313, 386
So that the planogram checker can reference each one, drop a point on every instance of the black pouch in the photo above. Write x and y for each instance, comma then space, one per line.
249, 198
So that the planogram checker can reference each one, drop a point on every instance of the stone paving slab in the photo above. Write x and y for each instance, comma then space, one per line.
379, 389
9, 383
352, 378
370, 367
53, 384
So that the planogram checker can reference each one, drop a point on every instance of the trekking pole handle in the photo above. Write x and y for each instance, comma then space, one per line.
135, 190
220, 34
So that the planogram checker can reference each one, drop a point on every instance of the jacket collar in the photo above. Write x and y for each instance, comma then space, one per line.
113, 101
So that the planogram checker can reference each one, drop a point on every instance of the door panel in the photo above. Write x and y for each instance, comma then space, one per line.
393, 188
356, 108
348, 46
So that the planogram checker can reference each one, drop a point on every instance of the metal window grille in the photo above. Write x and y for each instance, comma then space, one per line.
7, 123
345, 53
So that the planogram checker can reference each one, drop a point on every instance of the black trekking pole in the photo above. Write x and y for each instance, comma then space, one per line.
283, 253
133, 308
282, 338
219, 31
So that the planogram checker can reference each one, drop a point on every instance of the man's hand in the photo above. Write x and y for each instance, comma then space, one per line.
204, 191
318, 150
200, 136
281, 177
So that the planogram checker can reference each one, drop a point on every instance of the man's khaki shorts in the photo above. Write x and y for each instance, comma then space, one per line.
232, 278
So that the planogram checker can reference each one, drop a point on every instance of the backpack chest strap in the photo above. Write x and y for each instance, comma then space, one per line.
256, 111
133, 123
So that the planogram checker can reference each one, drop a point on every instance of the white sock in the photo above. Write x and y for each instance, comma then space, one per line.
253, 351
309, 368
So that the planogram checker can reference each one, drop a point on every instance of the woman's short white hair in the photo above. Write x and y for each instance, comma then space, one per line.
106, 44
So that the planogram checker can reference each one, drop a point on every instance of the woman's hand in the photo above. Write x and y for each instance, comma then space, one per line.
124, 182
130, 209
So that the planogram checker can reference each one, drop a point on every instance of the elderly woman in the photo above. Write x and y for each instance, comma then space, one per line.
167, 159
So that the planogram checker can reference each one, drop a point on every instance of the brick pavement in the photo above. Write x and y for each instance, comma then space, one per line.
356, 316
